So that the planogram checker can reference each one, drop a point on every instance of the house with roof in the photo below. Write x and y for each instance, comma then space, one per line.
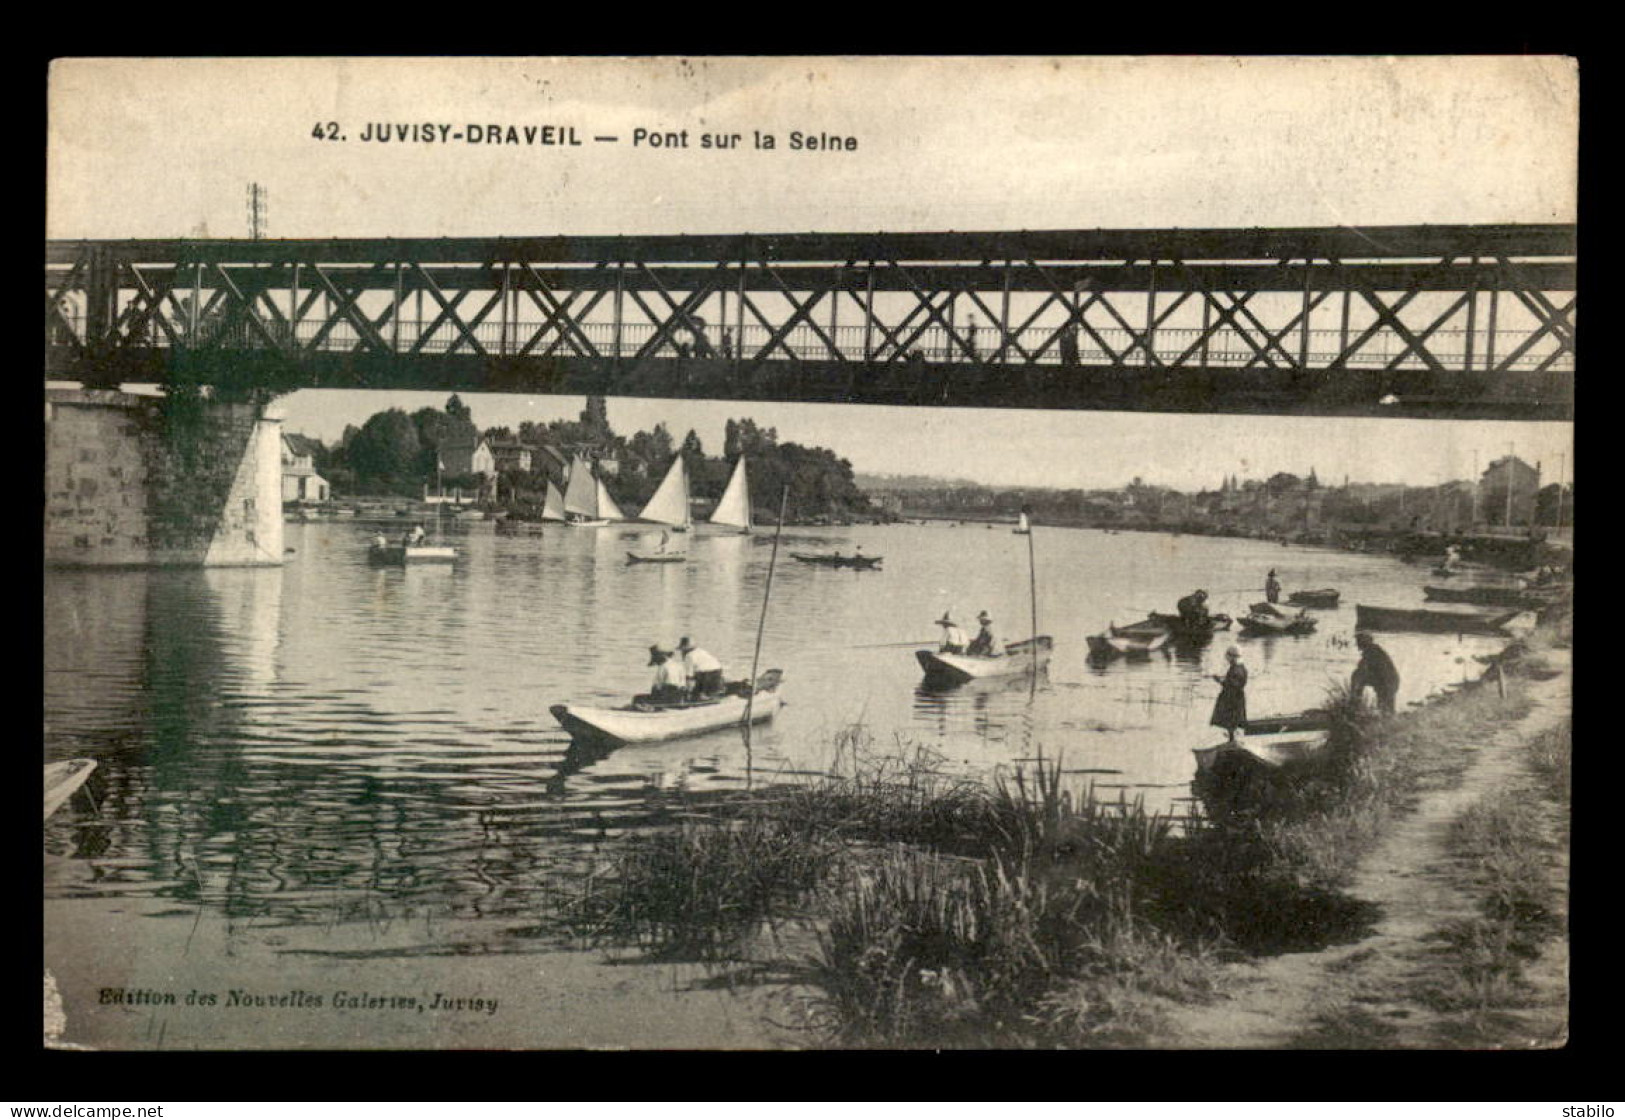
467, 457
300, 480
510, 455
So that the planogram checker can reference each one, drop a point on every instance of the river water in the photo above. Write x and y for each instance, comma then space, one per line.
298, 745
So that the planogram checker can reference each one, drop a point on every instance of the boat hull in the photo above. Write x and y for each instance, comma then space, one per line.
416, 554
1267, 626
1449, 618
62, 779
1120, 644
958, 668
655, 558
1325, 599
658, 725
861, 562
1518, 597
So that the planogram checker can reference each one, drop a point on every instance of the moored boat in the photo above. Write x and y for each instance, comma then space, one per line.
1490, 595
957, 668
655, 557
643, 722
836, 560
1183, 630
1445, 618
411, 554
1146, 636
1264, 620
1325, 597
62, 779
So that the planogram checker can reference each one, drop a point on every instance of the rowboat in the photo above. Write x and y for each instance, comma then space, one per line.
1446, 618
1188, 632
1489, 595
62, 779
957, 668
643, 722
1132, 640
411, 554
1270, 741
1325, 598
836, 560
655, 557
1265, 620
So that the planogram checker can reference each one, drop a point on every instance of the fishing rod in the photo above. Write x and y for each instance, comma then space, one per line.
756, 657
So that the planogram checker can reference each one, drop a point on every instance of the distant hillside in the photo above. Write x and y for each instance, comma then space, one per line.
909, 482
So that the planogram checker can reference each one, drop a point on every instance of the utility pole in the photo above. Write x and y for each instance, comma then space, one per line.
257, 220
1511, 451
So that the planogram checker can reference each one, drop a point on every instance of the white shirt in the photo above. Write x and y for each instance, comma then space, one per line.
697, 661
669, 671
954, 636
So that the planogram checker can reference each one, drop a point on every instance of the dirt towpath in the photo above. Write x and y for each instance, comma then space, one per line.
1369, 986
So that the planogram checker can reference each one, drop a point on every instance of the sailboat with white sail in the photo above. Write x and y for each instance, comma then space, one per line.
587, 504
733, 510
669, 507
553, 506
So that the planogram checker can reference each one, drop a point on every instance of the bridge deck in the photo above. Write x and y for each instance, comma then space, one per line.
1477, 317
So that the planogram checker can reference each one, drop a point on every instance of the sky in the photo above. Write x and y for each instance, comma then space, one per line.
168, 147
1023, 447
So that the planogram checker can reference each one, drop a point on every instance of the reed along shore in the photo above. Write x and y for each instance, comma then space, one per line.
901, 906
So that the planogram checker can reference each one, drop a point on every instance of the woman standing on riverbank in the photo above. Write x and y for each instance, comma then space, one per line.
1230, 709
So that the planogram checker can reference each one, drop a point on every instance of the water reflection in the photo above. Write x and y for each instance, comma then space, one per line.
311, 743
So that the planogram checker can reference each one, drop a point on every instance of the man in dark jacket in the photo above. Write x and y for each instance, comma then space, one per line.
1375, 669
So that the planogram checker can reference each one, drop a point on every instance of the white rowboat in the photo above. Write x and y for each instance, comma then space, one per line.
957, 668
62, 779
647, 723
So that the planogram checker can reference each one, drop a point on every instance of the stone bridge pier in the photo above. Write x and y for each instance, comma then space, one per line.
157, 482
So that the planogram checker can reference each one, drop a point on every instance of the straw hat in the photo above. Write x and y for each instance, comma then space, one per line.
685, 645
658, 653
984, 617
1233, 653
945, 620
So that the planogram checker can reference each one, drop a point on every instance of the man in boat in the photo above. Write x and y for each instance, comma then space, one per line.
1272, 588
668, 685
1193, 611
1230, 709
379, 541
1375, 669
984, 644
417, 535
703, 672
953, 638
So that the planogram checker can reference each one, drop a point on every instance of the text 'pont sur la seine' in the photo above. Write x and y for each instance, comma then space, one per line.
570, 136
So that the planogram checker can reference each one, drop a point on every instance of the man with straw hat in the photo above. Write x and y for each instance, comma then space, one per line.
702, 671
667, 687
984, 644
953, 638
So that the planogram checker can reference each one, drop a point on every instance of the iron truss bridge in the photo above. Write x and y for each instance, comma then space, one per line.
1402, 320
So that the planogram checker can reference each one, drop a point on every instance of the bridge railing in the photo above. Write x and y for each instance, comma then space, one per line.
627, 341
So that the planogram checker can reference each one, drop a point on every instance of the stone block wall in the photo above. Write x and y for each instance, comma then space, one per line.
128, 485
